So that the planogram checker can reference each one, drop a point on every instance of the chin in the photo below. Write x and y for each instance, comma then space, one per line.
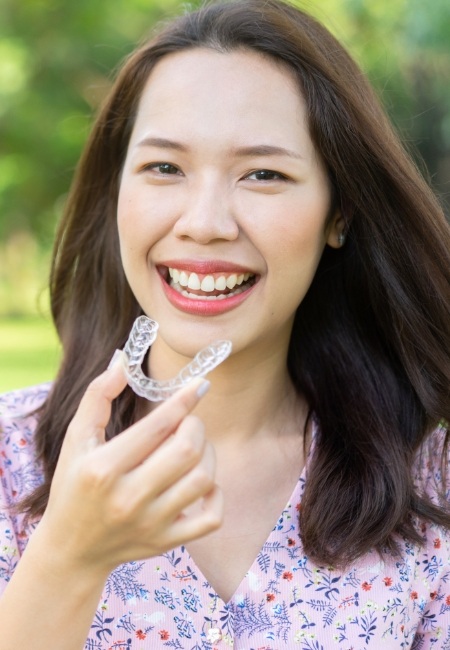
186, 341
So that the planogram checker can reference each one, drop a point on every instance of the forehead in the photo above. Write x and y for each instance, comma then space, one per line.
239, 94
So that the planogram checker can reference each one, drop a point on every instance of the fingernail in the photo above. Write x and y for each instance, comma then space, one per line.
203, 388
117, 357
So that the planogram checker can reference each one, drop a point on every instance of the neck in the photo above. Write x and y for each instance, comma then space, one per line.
251, 397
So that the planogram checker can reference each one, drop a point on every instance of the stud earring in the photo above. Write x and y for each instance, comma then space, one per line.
341, 238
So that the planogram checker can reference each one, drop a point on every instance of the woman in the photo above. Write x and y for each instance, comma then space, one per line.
241, 182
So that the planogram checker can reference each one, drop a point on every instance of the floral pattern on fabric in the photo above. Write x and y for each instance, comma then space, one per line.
284, 600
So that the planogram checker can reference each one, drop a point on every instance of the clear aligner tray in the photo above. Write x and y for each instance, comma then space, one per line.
142, 335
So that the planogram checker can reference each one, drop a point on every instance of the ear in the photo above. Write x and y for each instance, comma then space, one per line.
336, 231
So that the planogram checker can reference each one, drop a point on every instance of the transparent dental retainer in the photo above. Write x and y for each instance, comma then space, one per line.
142, 335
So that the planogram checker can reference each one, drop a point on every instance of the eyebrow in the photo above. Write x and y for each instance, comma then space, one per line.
264, 150
162, 143
238, 152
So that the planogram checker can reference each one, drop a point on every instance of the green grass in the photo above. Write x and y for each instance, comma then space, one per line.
29, 352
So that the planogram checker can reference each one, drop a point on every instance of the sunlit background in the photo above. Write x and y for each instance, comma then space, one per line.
56, 63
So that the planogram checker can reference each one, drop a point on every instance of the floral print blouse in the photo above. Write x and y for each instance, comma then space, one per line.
284, 600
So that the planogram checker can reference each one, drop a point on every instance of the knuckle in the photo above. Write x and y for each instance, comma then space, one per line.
120, 510
201, 480
188, 452
189, 449
95, 475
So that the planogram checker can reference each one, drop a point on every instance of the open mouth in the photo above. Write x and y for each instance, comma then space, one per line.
211, 286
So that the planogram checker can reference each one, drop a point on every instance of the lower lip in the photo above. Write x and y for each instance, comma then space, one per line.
204, 307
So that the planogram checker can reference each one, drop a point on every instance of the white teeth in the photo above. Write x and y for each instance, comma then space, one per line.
208, 283
184, 279
221, 283
232, 281
194, 282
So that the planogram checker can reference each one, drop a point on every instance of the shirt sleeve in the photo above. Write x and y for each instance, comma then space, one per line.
20, 473
433, 631
9, 549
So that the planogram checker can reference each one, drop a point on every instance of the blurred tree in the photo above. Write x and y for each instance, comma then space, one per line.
57, 58
404, 47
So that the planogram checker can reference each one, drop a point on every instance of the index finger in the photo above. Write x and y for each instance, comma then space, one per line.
134, 445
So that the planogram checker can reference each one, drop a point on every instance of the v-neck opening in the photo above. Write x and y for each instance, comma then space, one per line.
296, 492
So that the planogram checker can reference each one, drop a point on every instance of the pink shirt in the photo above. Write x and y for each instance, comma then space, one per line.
284, 600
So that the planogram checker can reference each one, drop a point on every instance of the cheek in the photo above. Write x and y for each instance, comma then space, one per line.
300, 235
126, 211
135, 223
298, 246
144, 214
132, 238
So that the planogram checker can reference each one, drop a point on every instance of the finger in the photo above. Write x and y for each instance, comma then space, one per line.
207, 520
170, 461
133, 446
183, 496
94, 410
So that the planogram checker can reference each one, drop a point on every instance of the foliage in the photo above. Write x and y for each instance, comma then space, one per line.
57, 59
404, 47
55, 66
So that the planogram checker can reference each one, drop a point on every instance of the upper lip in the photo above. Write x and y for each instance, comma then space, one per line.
205, 267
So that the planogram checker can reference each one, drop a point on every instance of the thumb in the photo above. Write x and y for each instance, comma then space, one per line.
94, 410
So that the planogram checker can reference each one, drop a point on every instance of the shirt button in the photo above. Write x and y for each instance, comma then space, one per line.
214, 635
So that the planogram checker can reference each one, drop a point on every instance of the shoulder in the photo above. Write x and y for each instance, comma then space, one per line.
19, 404
19, 469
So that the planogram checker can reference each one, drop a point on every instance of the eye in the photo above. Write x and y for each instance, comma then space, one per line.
165, 169
266, 175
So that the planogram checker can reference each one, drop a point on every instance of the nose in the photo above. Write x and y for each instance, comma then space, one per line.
207, 213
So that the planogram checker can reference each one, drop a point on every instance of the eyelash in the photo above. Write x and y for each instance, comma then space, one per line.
154, 167
279, 176
275, 176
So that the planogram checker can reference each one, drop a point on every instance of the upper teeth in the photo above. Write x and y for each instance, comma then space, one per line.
208, 282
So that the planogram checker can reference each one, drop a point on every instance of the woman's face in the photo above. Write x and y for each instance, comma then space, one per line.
223, 202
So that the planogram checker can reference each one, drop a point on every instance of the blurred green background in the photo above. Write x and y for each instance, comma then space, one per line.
56, 63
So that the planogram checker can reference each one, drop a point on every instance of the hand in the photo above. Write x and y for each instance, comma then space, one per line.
123, 500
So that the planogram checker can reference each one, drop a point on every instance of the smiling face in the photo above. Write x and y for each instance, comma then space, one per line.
223, 204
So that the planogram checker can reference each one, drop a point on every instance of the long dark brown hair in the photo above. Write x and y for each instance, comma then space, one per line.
371, 340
